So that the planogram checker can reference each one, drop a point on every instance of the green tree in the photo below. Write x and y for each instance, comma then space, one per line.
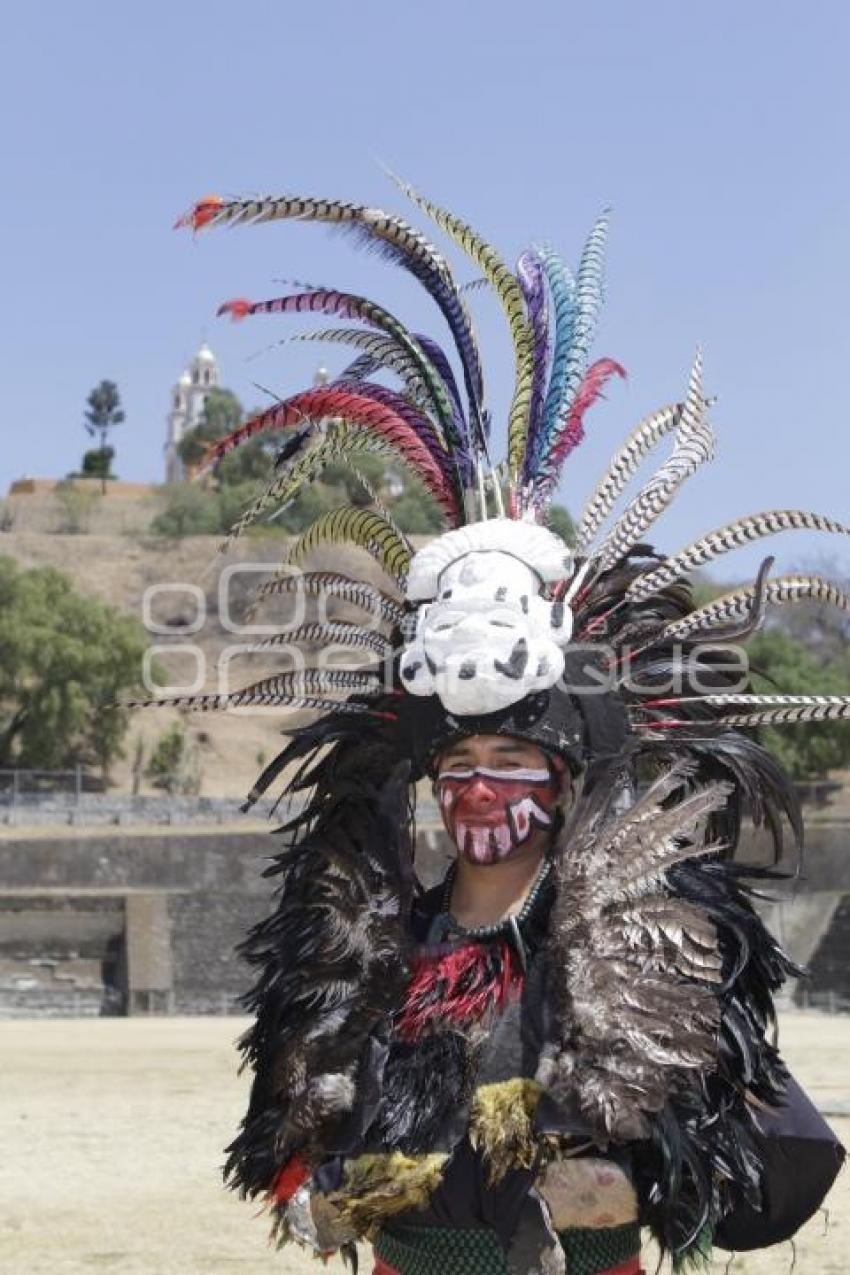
783, 666
64, 659
174, 764
97, 463
103, 413
223, 413
560, 521
187, 510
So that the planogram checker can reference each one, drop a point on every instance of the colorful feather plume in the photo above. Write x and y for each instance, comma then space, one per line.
371, 409
347, 306
590, 390
561, 287
509, 292
568, 374
532, 280
400, 241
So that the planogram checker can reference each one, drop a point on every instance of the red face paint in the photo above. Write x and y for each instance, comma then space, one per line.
489, 813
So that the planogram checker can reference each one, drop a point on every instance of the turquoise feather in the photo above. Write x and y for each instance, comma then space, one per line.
562, 290
587, 304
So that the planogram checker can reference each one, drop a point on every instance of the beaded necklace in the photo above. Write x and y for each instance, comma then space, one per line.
509, 925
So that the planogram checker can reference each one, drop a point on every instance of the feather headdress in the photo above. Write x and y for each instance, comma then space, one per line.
509, 630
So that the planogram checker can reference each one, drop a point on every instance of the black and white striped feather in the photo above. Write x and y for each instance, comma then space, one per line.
735, 606
694, 446
723, 540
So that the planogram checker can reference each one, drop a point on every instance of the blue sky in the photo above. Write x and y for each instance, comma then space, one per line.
719, 133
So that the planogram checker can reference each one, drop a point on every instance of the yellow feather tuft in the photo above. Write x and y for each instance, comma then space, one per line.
380, 1186
502, 1125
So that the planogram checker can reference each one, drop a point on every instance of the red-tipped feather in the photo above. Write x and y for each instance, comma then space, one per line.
201, 213
288, 1179
328, 401
237, 309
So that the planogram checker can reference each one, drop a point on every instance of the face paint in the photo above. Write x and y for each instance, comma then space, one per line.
490, 813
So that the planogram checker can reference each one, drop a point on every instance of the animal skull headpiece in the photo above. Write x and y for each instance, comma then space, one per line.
487, 634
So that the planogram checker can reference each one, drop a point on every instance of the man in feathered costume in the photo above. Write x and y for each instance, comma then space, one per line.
570, 1037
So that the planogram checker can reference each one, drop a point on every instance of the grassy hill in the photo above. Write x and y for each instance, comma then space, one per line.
125, 569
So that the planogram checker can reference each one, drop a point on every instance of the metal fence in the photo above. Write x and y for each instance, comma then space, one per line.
35, 797
18, 786
826, 1001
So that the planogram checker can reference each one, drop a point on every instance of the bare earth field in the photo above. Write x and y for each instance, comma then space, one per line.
111, 1133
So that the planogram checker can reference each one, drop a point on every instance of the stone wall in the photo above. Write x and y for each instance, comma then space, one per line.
121, 921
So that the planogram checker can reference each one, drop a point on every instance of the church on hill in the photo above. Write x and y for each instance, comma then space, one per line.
187, 406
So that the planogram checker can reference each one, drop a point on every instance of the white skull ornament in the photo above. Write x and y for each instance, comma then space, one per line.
486, 636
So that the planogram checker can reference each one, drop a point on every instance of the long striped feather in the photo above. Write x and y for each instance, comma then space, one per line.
404, 244
622, 466
297, 690
340, 440
385, 351
532, 280
348, 306
694, 446
363, 528
510, 295
764, 710
324, 634
333, 584
715, 543
589, 295
562, 289
361, 409
734, 606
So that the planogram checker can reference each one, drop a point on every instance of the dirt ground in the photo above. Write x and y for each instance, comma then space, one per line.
112, 1132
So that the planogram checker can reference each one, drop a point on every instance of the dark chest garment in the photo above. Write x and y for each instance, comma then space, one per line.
799, 1153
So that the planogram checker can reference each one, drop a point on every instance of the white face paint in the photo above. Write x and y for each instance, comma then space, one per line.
489, 638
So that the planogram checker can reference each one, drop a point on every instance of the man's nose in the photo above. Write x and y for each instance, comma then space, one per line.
480, 794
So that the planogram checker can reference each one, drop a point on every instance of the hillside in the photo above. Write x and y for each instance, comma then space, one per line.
122, 570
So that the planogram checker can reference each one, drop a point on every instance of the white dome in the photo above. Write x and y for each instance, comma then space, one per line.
184, 379
205, 354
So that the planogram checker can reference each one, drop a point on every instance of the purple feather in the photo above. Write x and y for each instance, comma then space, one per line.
533, 283
418, 421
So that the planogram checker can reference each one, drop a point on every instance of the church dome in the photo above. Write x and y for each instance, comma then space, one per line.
184, 379
205, 354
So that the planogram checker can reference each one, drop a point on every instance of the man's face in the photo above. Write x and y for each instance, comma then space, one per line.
498, 796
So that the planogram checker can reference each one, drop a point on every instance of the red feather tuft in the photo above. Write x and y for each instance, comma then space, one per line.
288, 1179
237, 309
201, 213
459, 986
